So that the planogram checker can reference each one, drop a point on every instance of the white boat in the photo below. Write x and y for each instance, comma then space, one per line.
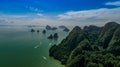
44, 58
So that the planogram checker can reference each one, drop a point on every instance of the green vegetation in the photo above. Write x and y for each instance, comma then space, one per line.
91, 46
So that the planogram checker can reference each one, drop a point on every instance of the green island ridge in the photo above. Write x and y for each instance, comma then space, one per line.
91, 46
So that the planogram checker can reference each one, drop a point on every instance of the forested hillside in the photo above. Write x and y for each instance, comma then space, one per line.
91, 46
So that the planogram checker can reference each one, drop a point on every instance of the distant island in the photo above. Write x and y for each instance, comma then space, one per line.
55, 36
32, 30
44, 31
91, 46
64, 28
50, 28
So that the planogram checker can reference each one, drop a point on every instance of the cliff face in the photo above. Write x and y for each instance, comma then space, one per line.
90, 47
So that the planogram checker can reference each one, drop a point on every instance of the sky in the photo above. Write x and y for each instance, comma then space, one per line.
59, 12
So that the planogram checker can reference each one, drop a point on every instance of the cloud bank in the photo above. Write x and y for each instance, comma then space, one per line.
95, 15
117, 3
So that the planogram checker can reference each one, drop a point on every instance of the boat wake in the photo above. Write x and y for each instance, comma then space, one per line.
37, 46
50, 44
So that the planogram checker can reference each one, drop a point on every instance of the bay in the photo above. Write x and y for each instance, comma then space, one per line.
21, 48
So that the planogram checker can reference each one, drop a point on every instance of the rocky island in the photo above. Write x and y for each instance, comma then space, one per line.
50, 28
44, 31
91, 46
38, 31
32, 30
64, 28
55, 36
50, 37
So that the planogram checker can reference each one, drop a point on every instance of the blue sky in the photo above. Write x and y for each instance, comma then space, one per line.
50, 6
64, 11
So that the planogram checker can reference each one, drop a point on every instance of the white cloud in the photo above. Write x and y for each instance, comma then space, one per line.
39, 14
95, 15
116, 3
83, 17
34, 9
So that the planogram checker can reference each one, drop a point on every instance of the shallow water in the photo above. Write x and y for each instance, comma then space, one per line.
21, 48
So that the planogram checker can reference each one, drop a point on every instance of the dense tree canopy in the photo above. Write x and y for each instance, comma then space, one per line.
91, 46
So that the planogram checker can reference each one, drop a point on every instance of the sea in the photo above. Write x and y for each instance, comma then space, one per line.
19, 47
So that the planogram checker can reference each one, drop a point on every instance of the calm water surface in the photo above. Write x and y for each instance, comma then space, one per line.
21, 48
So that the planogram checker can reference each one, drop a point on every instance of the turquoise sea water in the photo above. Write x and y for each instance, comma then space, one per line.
21, 48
